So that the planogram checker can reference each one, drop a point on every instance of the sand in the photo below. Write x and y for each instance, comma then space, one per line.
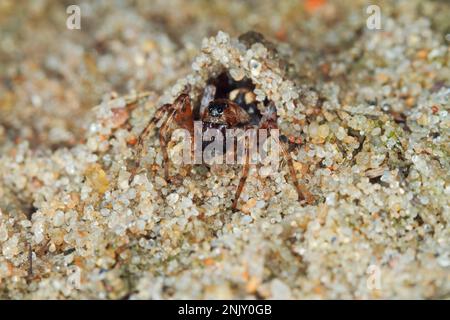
371, 108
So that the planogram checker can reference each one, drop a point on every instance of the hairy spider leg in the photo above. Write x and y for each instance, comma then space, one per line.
180, 114
244, 175
269, 122
303, 193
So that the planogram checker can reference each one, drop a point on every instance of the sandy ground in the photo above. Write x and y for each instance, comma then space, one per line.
370, 107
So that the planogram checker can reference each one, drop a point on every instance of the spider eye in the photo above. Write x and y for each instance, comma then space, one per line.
216, 109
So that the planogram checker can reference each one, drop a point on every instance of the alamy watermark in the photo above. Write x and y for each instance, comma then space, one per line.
228, 146
373, 281
373, 21
73, 21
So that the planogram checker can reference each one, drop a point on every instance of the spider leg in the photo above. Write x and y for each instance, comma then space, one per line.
303, 193
160, 113
188, 167
243, 179
179, 114
167, 108
269, 122
163, 141
184, 118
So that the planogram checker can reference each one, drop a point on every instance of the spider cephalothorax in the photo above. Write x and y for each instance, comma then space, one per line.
222, 107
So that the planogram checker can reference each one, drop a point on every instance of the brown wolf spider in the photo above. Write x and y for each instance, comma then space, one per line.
225, 104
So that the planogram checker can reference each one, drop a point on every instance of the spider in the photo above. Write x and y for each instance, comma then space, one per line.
225, 104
